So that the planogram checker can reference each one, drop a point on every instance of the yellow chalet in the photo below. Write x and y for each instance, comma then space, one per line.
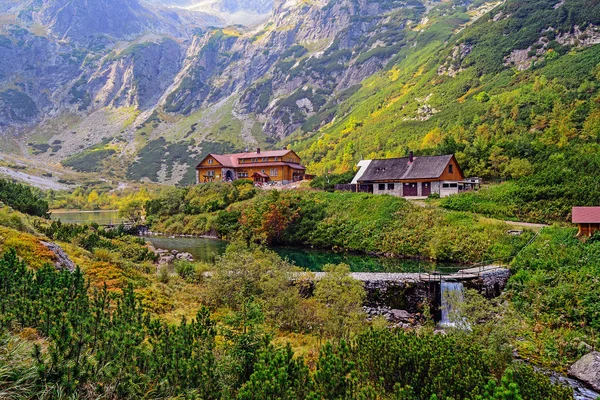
275, 165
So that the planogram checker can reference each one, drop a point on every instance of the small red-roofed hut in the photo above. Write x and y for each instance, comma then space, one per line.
587, 219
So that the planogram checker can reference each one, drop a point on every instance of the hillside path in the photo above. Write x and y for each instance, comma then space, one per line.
527, 224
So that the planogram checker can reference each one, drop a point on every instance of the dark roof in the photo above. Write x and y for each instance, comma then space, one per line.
424, 167
586, 215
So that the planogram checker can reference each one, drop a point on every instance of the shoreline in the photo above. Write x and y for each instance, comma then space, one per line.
67, 211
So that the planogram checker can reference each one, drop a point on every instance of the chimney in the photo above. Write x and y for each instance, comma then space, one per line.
258, 150
410, 157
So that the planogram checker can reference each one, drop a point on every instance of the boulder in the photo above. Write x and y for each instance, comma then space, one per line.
62, 260
174, 252
166, 259
185, 256
587, 370
400, 315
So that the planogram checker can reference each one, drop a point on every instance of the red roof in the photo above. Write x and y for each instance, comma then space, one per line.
586, 215
232, 160
260, 174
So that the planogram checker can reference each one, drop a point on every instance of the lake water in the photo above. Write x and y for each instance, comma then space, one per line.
208, 249
102, 217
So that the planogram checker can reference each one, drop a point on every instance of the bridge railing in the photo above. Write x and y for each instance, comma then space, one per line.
478, 268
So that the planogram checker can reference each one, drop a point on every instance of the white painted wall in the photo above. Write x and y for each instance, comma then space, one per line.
362, 164
448, 191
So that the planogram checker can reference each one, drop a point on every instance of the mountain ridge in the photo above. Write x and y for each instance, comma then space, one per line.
339, 81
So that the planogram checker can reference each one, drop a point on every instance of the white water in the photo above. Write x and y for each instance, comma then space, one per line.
452, 298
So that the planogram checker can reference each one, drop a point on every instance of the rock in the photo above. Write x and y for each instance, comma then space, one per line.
400, 315
585, 347
166, 259
174, 252
587, 370
185, 256
62, 259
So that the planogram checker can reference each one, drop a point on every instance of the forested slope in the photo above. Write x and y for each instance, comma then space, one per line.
514, 95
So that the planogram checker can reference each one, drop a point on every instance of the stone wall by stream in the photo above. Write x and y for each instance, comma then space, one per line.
410, 291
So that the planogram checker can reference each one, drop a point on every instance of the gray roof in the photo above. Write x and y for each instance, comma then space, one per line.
425, 167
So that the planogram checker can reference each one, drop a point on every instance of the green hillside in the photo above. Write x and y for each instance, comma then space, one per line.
532, 116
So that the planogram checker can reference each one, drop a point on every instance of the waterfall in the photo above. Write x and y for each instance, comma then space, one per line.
452, 296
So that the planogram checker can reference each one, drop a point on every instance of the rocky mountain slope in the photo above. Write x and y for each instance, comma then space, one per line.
340, 80
86, 81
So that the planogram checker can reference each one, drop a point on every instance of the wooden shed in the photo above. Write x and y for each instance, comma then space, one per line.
587, 219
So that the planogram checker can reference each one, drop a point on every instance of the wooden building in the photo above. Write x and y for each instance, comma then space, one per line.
412, 176
587, 219
282, 166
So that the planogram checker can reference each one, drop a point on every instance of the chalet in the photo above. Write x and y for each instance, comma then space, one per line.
587, 219
412, 176
268, 166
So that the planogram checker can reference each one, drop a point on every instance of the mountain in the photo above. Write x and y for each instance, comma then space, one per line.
339, 80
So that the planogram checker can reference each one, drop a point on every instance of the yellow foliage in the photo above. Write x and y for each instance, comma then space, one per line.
28, 247
432, 139
394, 74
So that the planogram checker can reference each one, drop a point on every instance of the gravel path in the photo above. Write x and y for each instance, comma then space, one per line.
37, 181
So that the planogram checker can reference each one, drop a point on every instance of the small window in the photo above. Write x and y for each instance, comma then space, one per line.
446, 185
262, 170
265, 159
276, 158
382, 186
274, 172
210, 160
450, 168
211, 173
390, 186
454, 185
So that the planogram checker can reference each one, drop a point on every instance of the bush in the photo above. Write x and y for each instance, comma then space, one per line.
23, 198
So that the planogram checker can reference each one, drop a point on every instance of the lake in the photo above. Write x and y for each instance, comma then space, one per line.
101, 217
204, 249
207, 250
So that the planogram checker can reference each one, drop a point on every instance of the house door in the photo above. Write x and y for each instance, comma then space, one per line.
409, 189
229, 176
426, 188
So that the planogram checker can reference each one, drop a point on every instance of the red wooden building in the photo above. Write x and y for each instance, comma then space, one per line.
587, 219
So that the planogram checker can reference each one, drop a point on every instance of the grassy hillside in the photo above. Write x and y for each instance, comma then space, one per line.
530, 116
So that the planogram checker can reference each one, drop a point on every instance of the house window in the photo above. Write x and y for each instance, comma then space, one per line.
211, 173
241, 160
262, 170
445, 185
210, 160
265, 159
390, 186
454, 185
450, 169
242, 174
276, 158
274, 172
255, 160
382, 186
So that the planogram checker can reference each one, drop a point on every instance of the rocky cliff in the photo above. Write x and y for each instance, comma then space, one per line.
100, 75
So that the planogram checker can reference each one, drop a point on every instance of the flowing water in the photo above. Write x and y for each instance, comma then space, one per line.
452, 296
